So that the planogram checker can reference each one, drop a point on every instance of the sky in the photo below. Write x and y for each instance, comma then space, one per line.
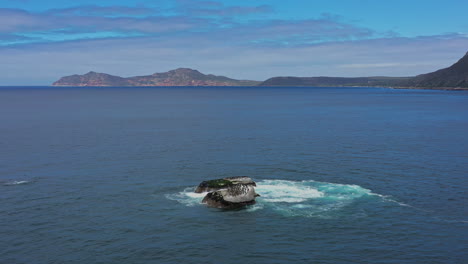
43, 40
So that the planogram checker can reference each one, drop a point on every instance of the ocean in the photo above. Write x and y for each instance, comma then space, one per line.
346, 175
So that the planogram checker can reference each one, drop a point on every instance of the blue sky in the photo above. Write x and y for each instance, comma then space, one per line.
41, 41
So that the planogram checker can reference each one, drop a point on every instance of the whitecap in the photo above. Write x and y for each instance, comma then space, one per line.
187, 197
308, 198
277, 191
15, 183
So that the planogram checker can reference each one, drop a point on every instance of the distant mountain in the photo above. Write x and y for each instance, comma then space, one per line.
453, 77
186, 77
91, 79
178, 77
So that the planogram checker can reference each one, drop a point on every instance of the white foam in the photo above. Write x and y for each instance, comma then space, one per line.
308, 198
276, 191
301, 206
195, 195
187, 197
387, 198
255, 207
16, 182
292, 198
285, 200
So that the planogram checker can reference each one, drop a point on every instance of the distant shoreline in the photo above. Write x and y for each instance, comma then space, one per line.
254, 86
432, 88
454, 77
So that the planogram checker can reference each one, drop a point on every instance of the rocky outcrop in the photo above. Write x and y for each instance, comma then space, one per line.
228, 193
214, 185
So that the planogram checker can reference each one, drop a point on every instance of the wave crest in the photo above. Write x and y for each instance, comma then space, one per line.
10, 183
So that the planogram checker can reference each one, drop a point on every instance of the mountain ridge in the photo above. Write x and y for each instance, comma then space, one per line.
453, 77
176, 77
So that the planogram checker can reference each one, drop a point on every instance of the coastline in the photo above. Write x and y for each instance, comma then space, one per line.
285, 86
432, 88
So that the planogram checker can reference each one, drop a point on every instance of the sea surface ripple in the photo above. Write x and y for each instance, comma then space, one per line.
346, 175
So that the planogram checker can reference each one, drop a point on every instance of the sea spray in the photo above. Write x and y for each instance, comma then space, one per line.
292, 198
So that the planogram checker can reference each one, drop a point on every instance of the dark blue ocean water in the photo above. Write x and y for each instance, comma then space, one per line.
347, 175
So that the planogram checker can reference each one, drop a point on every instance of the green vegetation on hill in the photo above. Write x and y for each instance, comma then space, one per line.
178, 77
453, 77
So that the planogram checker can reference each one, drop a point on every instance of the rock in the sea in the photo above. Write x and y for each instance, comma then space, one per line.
234, 196
228, 193
214, 185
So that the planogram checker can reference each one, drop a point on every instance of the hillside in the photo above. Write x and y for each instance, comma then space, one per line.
91, 79
178, 77
453, 77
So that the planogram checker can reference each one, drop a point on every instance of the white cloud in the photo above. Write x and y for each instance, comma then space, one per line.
92, 20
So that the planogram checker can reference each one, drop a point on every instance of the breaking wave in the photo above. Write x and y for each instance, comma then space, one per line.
292, 198
10, 183
187, 197
308, 198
